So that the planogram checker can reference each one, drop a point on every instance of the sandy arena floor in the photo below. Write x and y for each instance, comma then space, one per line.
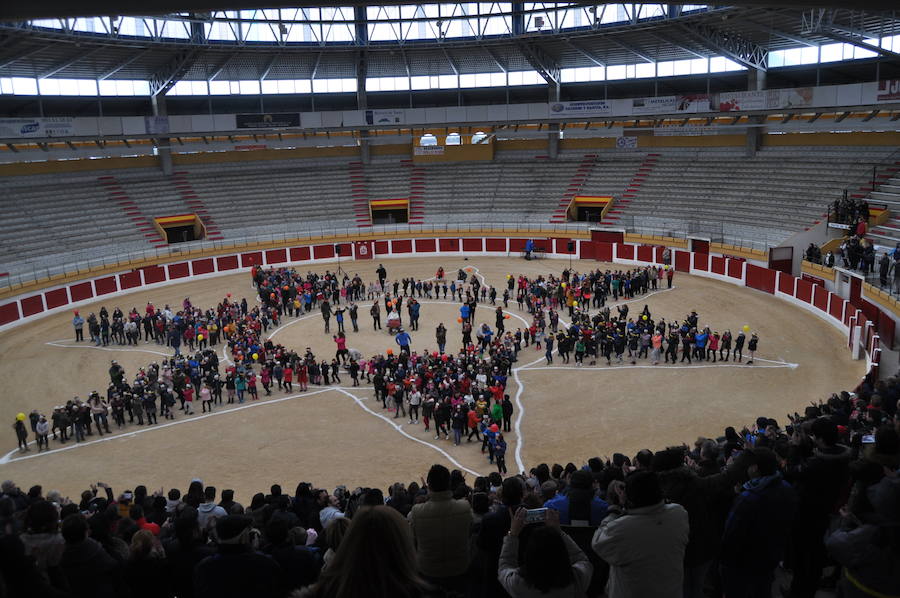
340, 435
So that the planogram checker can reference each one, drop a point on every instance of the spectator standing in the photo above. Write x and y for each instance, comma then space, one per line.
644, 545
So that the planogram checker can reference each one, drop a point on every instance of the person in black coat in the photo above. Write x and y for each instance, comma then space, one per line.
237, 569
90, 571
300, 564
494, 527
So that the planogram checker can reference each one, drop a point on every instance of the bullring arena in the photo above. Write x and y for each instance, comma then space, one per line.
562, 413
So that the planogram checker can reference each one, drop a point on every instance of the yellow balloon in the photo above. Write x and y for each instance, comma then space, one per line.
645, 318
256, 356
199, 337
563, 285
20, 417
746, 328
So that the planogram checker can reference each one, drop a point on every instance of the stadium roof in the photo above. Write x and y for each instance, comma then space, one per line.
742, 33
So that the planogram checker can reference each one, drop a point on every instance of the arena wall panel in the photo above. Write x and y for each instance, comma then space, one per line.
81, 291
346, 250
204, 266
607, 236
9, 312
849, 313
682, 261
32, 305
587, 250
717, 265
658, 252
426, 245
561, 245
107, 284
181, 270
382, 247
495, 245
154, 274
604, 251
299, 254
786, 284
227, 262
886, 329
517, 245
804, 290
820, 298
624, 251
645, 253
130, 280
321, 252
56, 298
870, 309
472, 245
402, 246
276, 256
735, 268
253, 258
701, 261
453, 244
762, 279
836, 307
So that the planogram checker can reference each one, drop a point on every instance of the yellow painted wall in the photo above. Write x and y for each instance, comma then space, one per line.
818, 271
391, 149
645, 141
521, 144
825, 139
588, 143
266, 154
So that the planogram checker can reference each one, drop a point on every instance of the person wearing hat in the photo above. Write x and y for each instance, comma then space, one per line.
21, 432
237, 569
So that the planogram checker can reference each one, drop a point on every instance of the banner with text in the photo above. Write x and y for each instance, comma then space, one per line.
586, 108
37, 127
429, 150
278, 120
888, 91
385, 117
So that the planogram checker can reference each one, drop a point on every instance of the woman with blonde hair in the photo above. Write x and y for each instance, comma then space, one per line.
375, 559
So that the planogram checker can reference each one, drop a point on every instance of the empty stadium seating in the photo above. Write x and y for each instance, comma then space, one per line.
718, 192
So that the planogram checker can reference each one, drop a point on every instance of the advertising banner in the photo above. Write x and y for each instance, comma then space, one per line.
626, 142
797, 97
156, 125
385, 117
697, 102
585, 108
429, 150
36, 127
743, 100
659, 105
888, 91
277, 120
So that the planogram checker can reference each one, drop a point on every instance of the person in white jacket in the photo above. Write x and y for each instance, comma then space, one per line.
643, 544
553, 566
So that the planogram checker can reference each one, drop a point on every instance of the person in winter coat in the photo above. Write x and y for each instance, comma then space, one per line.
757, 529
552, 565
644, 543
89, 570
440, 529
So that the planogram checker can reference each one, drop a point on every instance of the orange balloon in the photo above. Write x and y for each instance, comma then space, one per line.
459, 320
506, 317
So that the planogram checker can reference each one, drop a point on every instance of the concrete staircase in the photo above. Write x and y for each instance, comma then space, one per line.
359, 194
195, 205
416, 193
116, 194
576, 183
632, 191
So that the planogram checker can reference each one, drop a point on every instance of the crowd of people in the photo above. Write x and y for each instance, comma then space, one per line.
817, 496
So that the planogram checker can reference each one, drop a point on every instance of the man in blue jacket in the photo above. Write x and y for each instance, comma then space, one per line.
403, 339
757, 529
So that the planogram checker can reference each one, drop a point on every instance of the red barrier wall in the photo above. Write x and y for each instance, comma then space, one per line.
645, 253
701, 261
9, 312
624, 251
495, 245
228, 262
299, 254
762, 279
717, 265
204, 266
32, 305
426, 245
472, 245
607, 236
604, 252
682, 261
276, 256
321, 252
453, 244
517, 245
886, 329
56, 298
820, 299
382, 247
735, 268
786, 283
105, 285
804, 290
180, 270
81, 291
836, 306
253, 258
562, 246
130, 280
401, 246
154, 274
587, 250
